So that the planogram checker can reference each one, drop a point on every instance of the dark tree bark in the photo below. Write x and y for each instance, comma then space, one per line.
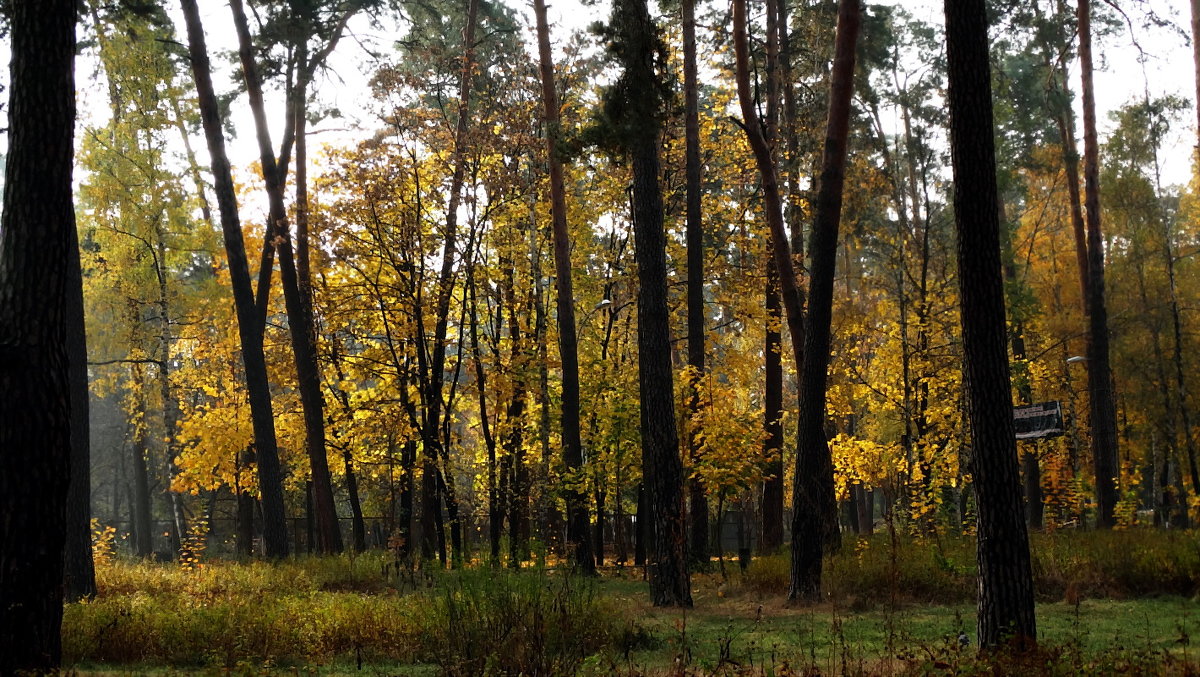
1102, 401
772, 496
568, 345
1005, 580
249, 326
300, 321
1031, 473
790, 291
814, 518
641, 526
37, 243
79, 573
435, 377
637, 101
698, 504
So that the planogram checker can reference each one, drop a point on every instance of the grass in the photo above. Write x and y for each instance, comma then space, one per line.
1108, 602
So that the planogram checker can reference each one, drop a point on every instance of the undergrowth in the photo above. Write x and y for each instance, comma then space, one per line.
1067, 565
360, 612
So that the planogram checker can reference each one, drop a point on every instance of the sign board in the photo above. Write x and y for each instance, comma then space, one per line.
1038, 420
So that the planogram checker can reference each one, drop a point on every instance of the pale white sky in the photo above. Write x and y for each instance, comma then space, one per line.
1120, 78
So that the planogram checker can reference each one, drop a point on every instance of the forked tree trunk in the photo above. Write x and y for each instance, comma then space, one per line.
249, 326
434, 379
814, 519
300, 321
793, 299
1102, 401
1005, 579
789, 288
37, 243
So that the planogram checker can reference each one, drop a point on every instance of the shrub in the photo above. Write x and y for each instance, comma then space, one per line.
485, 622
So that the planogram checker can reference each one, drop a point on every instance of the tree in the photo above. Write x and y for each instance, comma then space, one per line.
300, 321
249, 325
814, 516
1005, 575
634, 108
698, 508
37, 245
568, 346
1195, 5
1102, 402
79, 573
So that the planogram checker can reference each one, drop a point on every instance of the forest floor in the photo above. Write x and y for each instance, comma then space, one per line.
1109, 603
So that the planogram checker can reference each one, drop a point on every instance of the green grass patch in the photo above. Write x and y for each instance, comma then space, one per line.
1110, 603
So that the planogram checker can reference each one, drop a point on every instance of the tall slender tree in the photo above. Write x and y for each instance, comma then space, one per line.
814, 515
1195, 5
1005, 578
1102, 406
634, 108
299, 312
698, 503
79, 574
568, 345
266, 448
37, 245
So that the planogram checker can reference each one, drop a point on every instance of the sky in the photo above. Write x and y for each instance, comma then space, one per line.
1123, 74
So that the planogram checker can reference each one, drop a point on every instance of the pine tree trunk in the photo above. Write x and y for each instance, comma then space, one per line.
814, 519
1005, 579
772, 495
698, 503
662, 469
249, 325
568, 346
37, 238
79, 572
1195, 5
1102, 401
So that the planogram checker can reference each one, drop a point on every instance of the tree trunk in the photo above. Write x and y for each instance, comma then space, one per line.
300, 321
1181, 393
772, 495
1195, 4
814, 519
79, 572
568, 345
1005, 579
698, 508
1102, 401
404, 517
37, 237
638, 46
249, 326
642, 520
793, 298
